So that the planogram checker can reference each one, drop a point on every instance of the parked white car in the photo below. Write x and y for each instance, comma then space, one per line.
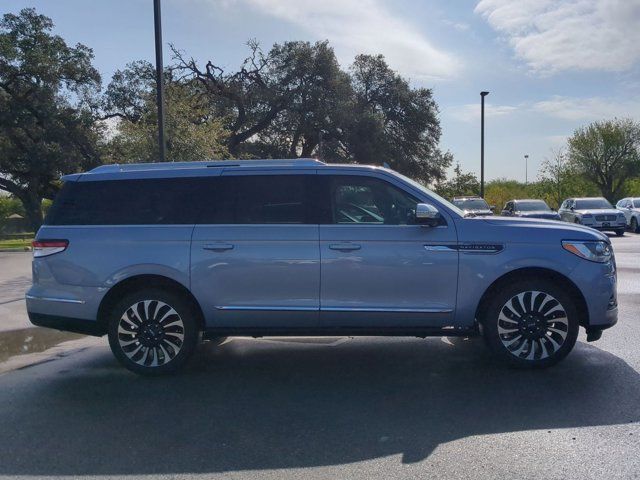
630, 207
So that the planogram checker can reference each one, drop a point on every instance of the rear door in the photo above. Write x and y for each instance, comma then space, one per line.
254, 254
379, 269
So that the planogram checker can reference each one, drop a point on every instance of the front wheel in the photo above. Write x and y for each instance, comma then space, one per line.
620, 232
531, 323
634, 225
153, 331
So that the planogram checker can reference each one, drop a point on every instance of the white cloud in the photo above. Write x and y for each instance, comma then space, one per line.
573, 109
471, 112
587, 109
556, 35
366, 26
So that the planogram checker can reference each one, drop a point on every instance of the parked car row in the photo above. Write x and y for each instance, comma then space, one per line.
594, 212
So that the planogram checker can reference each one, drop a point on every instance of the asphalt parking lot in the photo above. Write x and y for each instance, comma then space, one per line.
332, 408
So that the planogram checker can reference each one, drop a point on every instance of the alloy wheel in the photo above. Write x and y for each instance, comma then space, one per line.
532, 325
151, 333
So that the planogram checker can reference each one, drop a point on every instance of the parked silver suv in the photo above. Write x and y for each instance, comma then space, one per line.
154, 255
594, 212
630, 208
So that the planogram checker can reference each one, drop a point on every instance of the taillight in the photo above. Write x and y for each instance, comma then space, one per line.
44, 248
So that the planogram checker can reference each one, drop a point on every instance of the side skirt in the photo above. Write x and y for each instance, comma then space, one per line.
342, 332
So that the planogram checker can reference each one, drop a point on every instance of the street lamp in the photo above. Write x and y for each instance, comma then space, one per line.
159, 80
526, 169
482, 95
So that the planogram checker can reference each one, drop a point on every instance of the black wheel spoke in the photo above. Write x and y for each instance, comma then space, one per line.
532, 325
151, 333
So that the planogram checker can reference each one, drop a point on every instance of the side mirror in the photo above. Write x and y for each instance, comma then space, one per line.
427, 215
629, 207
492, 207
571, 208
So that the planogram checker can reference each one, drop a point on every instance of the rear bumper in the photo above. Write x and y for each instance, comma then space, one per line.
68, 324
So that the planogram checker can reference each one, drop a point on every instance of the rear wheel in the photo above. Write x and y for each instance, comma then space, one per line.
531, 323
152, 331
634, 225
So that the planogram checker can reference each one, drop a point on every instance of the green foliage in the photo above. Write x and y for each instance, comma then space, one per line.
500, 191
296, 101
461, 184
46, 127
191, 131
606, 153
9, 206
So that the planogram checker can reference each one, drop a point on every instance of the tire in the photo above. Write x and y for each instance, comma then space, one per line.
634, 225
620, 232
153, 331
517, 326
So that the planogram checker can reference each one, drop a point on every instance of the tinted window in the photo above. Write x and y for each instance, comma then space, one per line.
260, 199
367, 200
127, 202
592, 203
472, 204
532, 205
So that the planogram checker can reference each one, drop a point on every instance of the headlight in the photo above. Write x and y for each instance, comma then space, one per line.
597, 251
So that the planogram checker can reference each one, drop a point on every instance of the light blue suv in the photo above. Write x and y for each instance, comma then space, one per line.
157, 256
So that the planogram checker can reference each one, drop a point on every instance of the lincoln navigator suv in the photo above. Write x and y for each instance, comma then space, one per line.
159, 256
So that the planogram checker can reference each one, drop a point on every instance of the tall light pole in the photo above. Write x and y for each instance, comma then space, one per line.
482, 95
157, 20
526, 169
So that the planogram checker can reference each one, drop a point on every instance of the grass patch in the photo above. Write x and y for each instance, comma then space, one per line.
15, 243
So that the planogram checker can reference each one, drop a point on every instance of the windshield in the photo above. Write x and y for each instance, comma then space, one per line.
531, 205
471, 204
592, 203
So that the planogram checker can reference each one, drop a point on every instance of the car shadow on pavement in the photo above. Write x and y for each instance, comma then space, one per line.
266, 404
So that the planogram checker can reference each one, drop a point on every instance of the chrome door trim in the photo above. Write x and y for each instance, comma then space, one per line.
386, 310
269, 309
54, 299
335, 309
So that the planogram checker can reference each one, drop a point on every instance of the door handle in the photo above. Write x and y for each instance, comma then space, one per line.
218, 247
345, 247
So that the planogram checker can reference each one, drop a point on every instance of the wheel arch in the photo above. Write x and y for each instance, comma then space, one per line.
138, 282
535, 272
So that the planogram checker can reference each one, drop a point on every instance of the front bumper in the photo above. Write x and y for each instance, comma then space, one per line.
599, 288
606, 226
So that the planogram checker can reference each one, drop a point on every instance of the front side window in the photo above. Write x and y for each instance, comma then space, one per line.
365, 200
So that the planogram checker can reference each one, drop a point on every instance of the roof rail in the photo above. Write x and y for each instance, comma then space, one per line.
129, 167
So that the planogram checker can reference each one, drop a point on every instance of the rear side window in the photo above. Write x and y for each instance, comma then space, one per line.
127, 202
260, 199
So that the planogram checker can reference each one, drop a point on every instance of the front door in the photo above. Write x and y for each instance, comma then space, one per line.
255, 260
380, 269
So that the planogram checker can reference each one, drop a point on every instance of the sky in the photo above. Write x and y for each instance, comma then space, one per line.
551, 66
